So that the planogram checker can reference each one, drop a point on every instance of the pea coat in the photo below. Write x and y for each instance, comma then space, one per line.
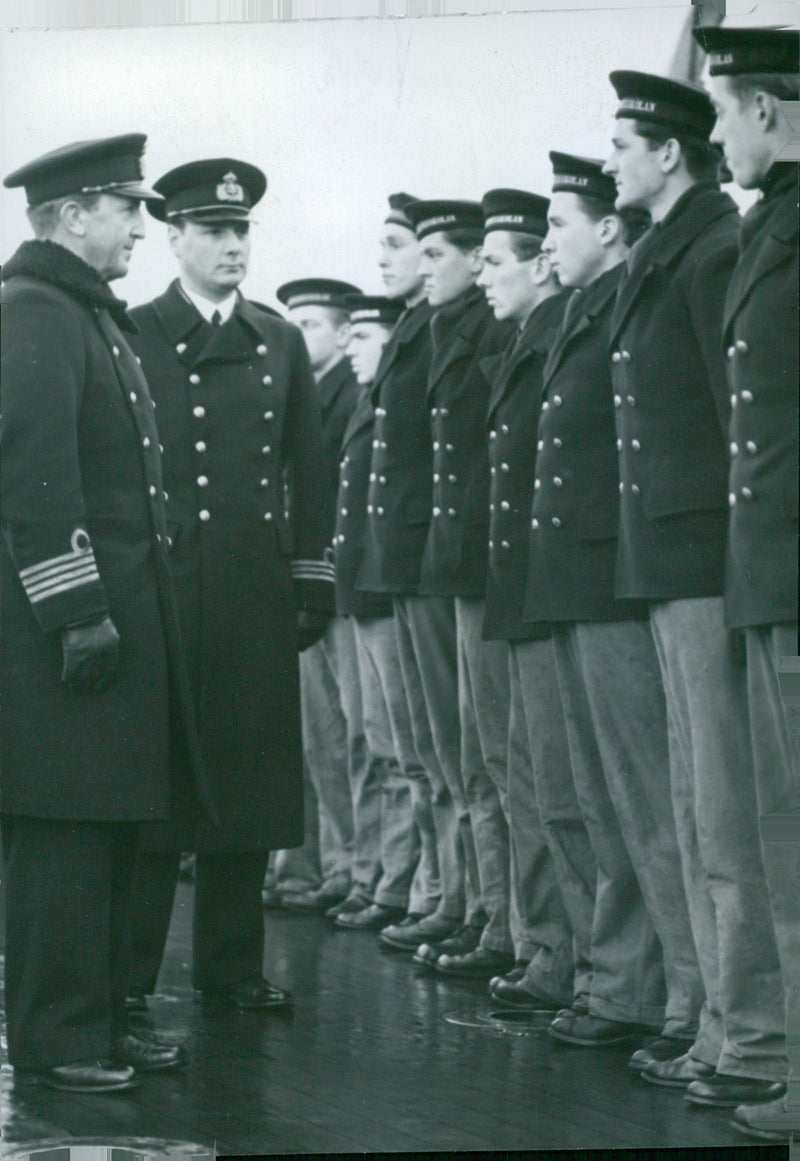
512, 418
84, 535
464, 332
671, 400
239, 419
399, 496
761, 340
351, 515
575, 511
338, 392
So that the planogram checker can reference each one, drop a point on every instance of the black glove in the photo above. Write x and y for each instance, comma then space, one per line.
310, 627
91, 655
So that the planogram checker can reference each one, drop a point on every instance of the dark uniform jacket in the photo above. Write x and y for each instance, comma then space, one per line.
671, 400
573, 527
464, 332
512, 419
237, 414
84, 535
761, 340
399, 497
351, 515
337, 392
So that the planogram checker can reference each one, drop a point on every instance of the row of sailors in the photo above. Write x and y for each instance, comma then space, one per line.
565, 555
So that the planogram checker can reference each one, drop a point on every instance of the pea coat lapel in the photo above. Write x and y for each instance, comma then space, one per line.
665, 242
582, 309
458, 343
195, 341
536, 338
404, 334
362, 416
777, 246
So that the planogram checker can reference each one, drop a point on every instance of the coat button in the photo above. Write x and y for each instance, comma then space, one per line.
434, 412
741, 346
204, 514
267, 516
264, 483
453, 479
451, 511
382, 480
166, 496
559, 483
370, 509
636, 445
161, 448
632, 400
504, 468
731, 351
731, 499
266, 380
492, 435
343, 511
505, 429
635, 489
266, 449
618, 401
268, 415
443, 411
493, 470
200, 445
555, 522
133, 396
615, 358
545, 405
540, 445
747, 397
491, 545
383, 446
380, 511
202, 481
436, 477
557, 400
557, 443
181, 347
747, 494
169, 542
537, 485
505, 506
372, 477
491, 508
153, 490
621, 487
734, 449
261, 349
194, 378
115, 349
436, 445
534, 524
751, 447
376, 443
198, 412
626, 356
345, 483
437, 511
139, 361
504, 544
619, 445
146, 441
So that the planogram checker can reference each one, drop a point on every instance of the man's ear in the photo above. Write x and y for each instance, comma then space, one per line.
73, 218
476, 260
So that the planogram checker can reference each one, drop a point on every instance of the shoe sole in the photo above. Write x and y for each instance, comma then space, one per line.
663, 1083
583, 1042
80, 1090
760, 1134
716, 1102
464, 973
522, 1005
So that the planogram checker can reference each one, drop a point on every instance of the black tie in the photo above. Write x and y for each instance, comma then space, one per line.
216, 319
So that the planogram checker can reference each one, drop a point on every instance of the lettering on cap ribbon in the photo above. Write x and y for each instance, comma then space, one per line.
638, 104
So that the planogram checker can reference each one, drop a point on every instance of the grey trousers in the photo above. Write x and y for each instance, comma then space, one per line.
484, 700
345, 779
716, 808
297, 869
553, 870
409, 870
426, 637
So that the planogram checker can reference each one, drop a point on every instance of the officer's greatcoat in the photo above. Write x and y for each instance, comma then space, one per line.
84, 535
399, 497
464, 332
573, 526
512, 418
238, 415
672, 400
761, 341
351, 515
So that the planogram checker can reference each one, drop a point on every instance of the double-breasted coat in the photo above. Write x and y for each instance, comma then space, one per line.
399, 496
338, 392
575, 510
512, 419
464, 332
351, 514
672, 400
84, 535
239, 420
760, 336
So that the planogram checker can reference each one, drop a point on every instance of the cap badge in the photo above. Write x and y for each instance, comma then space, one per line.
229, 189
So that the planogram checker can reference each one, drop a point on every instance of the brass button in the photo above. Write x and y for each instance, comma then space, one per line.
194, 378
198, 412
204, 514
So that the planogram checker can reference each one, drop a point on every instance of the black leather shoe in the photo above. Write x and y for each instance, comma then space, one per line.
463, 940
767, 1121
409, 933
514, 976
587, 1031
98, 1076
726, 1092
512, 994
480, 964
250, 996
347, 906
677, 1073
658, 1051
147, 1056
374, 917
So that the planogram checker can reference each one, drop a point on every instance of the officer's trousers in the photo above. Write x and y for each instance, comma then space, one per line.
551, 858
716, 803
67, 887
483, 706
426, 638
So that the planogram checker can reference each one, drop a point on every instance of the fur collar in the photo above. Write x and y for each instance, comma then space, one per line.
52, 263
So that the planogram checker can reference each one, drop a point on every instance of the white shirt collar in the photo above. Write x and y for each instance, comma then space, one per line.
207, 308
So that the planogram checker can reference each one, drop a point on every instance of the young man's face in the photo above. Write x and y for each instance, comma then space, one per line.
573, 241
324, 335
508, 282
113, 226
446, 270
399, 261
367, 340
738, 130
213, 257
634, 167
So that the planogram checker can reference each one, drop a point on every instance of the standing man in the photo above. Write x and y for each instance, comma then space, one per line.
96, 710
334, 748
672, 409
752, 70
521, 285
605, 660
459, 670
239, 419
